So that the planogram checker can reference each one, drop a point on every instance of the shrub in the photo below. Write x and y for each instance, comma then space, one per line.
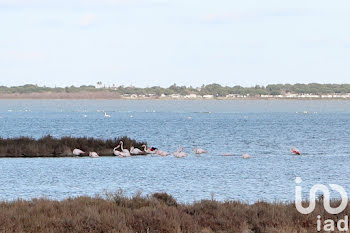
49, 146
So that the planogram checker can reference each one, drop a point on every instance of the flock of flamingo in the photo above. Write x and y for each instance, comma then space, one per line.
119, 151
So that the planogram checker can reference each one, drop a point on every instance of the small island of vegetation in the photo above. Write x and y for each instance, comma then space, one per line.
49, 146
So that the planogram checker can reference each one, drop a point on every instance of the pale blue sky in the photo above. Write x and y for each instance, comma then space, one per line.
161, 42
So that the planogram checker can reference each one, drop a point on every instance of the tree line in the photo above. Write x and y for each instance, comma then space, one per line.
211, 89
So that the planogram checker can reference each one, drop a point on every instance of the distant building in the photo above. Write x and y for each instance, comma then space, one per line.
190, 96
99, 84
235, 96
208, 96
266, 96
291, 95
175, 96
344, 96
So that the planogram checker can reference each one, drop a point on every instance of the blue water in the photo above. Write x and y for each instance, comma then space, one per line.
264, 129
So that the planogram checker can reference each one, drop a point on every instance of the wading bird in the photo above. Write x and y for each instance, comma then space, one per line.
93, 155
227, 154
78, 152
135, 151
295, 150
199, 151
125, 152
116, 152
162, 153
180, 154
149, 150
121, 154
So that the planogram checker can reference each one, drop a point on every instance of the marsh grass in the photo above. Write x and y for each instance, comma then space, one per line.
49, 146
154, 214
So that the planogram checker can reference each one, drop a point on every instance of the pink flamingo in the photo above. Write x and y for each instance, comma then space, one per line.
78, 152
227, 154
180, 154
295, 150
123, 153
93, 155
135, 151
199, 151
162, 153
246, 156
149, 150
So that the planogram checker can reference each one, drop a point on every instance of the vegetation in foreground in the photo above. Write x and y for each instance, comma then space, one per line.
154, 214
49, 146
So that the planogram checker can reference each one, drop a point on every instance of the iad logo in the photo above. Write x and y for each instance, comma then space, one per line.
328, 224
326, 198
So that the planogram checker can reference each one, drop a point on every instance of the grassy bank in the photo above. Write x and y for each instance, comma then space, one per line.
60, 147
157, 213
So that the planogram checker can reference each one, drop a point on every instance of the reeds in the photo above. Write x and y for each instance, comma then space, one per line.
155, 213
49, 146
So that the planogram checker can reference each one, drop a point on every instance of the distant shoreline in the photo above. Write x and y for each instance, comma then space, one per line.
117, 96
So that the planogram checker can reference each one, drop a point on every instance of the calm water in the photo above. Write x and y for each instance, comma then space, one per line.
265, 129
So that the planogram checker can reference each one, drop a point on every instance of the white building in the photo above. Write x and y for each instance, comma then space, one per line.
208, 96
175, 96
191, 96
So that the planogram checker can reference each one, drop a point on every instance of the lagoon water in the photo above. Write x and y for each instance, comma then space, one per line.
264, 129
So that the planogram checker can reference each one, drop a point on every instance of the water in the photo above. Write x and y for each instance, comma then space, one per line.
264, 129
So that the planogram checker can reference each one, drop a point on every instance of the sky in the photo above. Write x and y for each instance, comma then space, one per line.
161, 42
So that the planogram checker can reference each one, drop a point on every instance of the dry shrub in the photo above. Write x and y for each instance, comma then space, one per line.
154, 214
60, 147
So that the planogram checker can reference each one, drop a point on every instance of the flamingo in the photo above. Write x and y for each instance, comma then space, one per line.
180, 154
78, 152
246, 156
93, 155
162, 153
120, 154
199, 151
125, 152
135, 151
149, 150
295, 150
116, 152
227, 154
106, 115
